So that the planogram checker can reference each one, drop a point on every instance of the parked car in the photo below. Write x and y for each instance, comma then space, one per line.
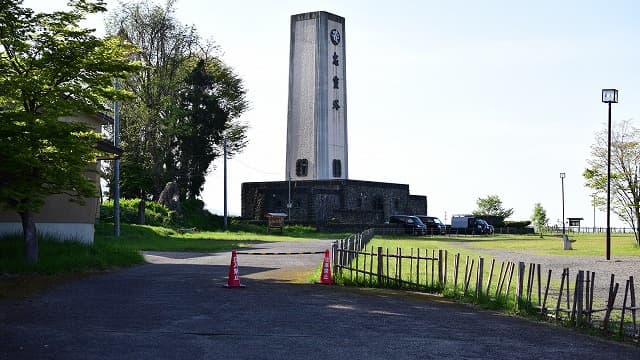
469, 224
488, 227
433, 224
411, 224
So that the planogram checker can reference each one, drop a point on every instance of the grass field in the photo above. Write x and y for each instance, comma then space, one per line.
473, 247
109, 251
584, 245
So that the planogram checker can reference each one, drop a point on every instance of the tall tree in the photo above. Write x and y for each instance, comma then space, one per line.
212, 96
164, 136
539, 218
51, 67
492, 206
625, 172
147, 132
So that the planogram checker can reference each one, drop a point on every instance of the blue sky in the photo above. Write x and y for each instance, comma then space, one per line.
458, 99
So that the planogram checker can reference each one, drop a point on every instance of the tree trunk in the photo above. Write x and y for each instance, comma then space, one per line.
141, 206
636, 224
30, 237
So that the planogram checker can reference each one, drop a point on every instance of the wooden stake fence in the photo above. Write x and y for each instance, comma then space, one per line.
378, 267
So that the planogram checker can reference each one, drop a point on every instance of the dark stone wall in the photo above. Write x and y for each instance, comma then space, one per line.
417, 205
330, 201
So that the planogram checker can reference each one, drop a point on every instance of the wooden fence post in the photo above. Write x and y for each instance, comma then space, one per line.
379, 266
633, 305
446, 270
520, 284
591, 285
440, 268
418, 269
539, 286
456, 264
613, 290
464, 279
564, 271
568, 287
467, 280
513, 265
371, 266
543, 308
501, 280
493, 261
578, 297
399, 266
334, 256
387, 275
433, 264
624, 305
479, 277
411, 267
357, 256
530, 278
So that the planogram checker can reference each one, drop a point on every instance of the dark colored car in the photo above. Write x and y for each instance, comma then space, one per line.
433, 224
411, 224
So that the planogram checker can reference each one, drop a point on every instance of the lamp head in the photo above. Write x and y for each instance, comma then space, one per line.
609, 95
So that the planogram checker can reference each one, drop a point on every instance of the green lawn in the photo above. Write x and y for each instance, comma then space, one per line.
109, 251
473, 247
585, 244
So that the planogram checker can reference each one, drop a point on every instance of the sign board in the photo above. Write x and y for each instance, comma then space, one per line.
574, 221
276, 220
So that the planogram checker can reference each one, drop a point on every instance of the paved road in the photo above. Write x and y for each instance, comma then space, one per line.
176, 308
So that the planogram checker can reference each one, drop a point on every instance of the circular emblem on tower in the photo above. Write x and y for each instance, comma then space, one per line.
335, 36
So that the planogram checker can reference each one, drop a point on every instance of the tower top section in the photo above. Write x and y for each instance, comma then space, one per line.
317, 107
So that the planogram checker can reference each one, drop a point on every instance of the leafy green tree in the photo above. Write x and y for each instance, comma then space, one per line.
206, 117
50, 67
186, 98
539, 218
625, 172
147, 123
492, 206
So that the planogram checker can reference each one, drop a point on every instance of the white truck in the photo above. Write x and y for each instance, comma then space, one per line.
470, 224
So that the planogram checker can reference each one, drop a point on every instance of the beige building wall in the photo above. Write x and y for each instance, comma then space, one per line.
59, 217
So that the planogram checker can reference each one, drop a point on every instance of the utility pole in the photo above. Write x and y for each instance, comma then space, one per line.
562, 175
594, 213
116, 165
289, 205
225, 181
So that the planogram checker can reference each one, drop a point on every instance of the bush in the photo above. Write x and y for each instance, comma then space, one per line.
191, 215
155, 214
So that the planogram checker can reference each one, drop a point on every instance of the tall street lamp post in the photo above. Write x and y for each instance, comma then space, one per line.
594, 212
562, 175
609, 96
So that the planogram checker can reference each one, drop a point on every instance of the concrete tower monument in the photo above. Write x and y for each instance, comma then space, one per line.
317, 189
317, 112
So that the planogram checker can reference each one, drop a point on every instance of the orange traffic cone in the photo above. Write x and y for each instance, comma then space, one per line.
325, 277
234, 274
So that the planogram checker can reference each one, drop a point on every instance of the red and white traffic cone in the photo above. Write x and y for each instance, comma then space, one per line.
234, 274
325, 277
